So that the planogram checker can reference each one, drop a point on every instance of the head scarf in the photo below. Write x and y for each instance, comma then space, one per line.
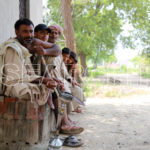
56, 27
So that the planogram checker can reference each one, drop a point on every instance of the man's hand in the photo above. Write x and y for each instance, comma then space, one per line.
60, 84
50, 83
75, 83
57, 80
39, 49
35, 48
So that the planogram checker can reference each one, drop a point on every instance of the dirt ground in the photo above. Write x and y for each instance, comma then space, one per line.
111, 124
115, 124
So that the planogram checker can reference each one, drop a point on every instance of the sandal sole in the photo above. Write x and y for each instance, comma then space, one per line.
77, 131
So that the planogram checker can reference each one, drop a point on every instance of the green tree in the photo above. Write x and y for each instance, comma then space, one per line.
98, 24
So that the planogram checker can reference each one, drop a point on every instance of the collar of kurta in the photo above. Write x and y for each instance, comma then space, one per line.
14, 43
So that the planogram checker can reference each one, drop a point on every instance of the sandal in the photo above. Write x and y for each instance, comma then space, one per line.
72, 141
72, 130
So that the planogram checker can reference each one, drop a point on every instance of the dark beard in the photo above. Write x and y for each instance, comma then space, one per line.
25, 41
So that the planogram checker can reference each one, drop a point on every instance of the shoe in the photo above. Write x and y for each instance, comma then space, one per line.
72, 141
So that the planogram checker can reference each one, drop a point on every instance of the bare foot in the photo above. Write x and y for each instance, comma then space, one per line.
78, 110
72, 122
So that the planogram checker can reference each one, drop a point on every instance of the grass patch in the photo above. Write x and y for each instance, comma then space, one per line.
94, 88
96, 73
101, 70
112, 93
90, 87
145, 75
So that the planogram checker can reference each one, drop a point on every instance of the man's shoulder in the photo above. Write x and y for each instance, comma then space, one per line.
14, 44
6, 44
9, 43
10, 40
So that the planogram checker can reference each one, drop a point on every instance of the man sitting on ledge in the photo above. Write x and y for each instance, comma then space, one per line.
20, 79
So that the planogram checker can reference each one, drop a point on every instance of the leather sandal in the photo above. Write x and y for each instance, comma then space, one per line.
72, 130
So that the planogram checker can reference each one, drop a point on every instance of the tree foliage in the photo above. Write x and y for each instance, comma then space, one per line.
98, 24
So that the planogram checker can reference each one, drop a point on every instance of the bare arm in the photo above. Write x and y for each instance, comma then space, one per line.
44, 48
53, 51
42, 43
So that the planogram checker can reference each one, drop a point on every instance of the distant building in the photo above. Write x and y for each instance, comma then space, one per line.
12, 10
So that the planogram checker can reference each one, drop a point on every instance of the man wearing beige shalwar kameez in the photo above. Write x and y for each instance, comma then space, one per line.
60, 72
19, 76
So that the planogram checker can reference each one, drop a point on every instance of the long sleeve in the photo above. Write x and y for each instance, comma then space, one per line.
64, 70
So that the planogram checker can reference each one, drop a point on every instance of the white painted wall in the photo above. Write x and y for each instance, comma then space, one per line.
9, 13
35, 11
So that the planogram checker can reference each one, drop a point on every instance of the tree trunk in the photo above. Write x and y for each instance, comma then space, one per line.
68, 29
68, 25
84, 69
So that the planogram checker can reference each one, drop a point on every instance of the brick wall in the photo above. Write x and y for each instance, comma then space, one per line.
20, 122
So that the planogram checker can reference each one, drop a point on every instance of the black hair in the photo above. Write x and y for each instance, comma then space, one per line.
22, 21
41, 27
74, 56
65, 50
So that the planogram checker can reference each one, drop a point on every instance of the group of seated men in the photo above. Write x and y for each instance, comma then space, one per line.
34, 66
